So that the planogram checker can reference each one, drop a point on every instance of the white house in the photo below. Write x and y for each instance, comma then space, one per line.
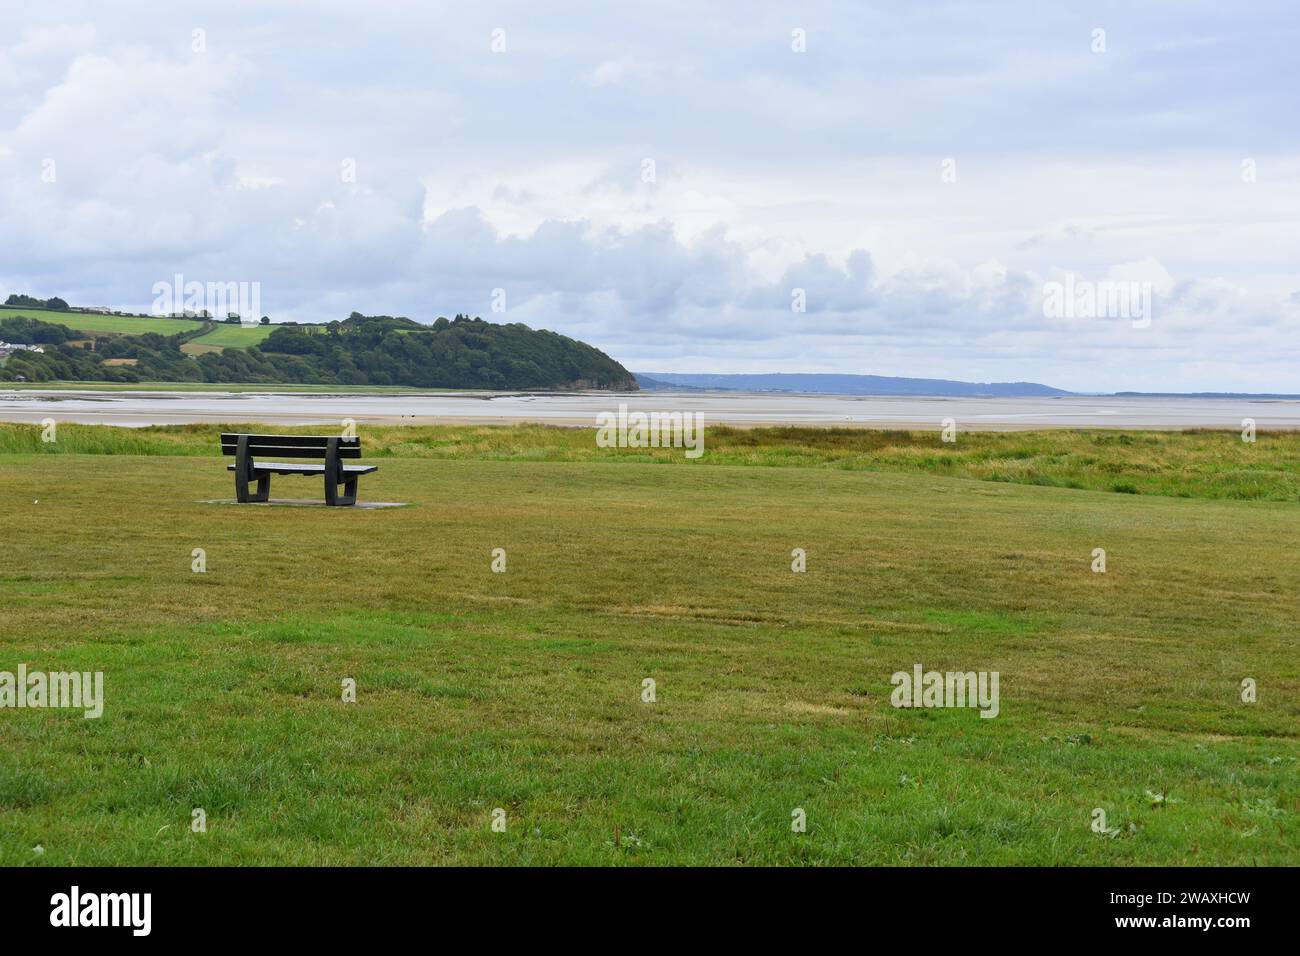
7, 348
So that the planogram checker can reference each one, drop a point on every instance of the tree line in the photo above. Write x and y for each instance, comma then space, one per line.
462, 352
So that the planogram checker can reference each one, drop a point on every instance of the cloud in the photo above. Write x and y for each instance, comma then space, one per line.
625, 69
774, 171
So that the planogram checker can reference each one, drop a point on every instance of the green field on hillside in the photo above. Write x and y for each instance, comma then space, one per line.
523, 691
92, 322
235, 336
261, 388
222, 335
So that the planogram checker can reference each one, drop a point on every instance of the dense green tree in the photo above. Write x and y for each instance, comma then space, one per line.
361, 350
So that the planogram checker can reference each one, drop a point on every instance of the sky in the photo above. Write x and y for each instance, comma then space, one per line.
875, 188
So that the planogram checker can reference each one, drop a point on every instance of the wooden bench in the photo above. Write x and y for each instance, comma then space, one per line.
331, 449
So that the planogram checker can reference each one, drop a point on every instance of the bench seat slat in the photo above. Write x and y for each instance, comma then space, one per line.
291, 451
308, 441
288, 468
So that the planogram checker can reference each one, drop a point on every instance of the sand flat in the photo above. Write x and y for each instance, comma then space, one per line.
143, 408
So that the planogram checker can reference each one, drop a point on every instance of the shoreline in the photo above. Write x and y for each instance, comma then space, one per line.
276, 405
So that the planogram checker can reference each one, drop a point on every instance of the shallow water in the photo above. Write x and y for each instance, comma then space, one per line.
739, 408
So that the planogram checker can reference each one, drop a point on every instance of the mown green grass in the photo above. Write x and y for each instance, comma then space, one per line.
222, 335
235, 336
522, 690
94, 322
1199, 464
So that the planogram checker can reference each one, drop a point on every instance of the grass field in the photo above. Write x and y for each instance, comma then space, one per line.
235, 336
259, 387
1202, 464
222, 336
522, 690
91, 322
195, 349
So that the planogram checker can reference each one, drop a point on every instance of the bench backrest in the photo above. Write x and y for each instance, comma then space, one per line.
290, 446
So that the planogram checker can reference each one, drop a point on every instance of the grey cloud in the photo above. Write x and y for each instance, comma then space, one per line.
226, 166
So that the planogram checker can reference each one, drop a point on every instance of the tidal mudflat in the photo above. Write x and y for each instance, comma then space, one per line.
138, 408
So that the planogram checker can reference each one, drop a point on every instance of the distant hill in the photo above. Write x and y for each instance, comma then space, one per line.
361, 350
1261, 396
655, 385
847, 384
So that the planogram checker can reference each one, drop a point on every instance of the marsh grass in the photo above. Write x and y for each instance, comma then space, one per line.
1188, 464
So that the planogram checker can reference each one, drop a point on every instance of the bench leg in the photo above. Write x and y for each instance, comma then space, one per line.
244, 496
332, 496
335, 476
244, 473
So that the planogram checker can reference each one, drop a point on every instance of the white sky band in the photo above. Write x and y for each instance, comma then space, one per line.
1142, 174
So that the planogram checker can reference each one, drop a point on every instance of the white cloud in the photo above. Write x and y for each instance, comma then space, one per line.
625, 69
774, 170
